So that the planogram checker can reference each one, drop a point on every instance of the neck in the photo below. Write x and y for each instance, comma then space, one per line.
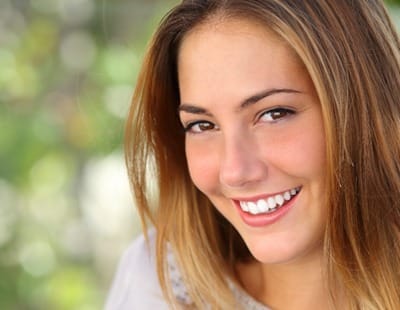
295, 285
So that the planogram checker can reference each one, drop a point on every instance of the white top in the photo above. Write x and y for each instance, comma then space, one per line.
136, 285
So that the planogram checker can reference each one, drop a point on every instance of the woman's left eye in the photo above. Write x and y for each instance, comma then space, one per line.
275, 115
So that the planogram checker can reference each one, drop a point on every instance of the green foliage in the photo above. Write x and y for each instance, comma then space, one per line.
68, 69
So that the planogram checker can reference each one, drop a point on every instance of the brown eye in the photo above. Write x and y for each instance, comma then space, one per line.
205, 126
199, 127
276, 114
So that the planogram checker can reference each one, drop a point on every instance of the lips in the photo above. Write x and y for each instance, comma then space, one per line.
268, 204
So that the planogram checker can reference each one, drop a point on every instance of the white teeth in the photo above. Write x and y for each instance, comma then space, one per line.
287, 195
271, 202
253, 208
279, 200
262, 205
244, 206
267, 205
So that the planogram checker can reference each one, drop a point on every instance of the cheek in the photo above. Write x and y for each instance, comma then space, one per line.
308, 153
312, 151
297, 152
203, 166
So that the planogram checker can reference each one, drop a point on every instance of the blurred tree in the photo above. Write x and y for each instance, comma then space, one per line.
68, 68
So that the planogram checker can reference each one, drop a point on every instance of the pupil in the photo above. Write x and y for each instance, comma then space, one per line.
205, 126
278, 114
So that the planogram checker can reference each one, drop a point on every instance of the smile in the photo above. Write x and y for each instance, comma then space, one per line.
270, 204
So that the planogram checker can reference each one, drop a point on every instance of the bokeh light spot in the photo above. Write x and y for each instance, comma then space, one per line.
37, 258
78, 51
117, 99
76, 11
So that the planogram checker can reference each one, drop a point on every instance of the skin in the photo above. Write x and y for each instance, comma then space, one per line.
244, 141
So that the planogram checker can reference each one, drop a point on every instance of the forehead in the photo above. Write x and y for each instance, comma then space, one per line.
235, 56
234, 28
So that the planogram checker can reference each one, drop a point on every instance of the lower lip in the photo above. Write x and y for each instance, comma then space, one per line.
265, 219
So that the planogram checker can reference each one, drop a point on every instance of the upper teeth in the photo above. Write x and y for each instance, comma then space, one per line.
269, 204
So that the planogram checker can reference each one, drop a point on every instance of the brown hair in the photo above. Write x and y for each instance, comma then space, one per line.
351, 51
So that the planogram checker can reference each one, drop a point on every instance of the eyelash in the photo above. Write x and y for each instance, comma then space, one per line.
189, 127
271, 113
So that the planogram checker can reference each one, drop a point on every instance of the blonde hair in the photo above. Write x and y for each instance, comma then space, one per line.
351, 51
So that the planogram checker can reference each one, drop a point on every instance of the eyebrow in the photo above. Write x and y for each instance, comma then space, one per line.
189, 108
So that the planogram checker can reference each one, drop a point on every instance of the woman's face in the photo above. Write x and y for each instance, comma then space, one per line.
254, 137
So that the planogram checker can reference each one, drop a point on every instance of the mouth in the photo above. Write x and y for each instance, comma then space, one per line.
269, 204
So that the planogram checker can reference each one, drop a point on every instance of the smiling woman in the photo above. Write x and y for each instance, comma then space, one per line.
253, 133
272, 129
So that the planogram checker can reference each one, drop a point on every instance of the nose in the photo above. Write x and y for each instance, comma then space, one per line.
241, 162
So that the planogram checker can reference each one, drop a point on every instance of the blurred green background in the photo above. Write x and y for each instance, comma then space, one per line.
67, 71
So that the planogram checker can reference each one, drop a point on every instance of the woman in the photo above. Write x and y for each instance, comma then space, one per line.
272, 128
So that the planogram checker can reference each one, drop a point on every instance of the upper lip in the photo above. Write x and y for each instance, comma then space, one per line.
264, 196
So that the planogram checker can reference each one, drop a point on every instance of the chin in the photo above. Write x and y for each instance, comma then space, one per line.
287, 250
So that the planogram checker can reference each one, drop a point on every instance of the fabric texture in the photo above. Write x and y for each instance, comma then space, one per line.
136, 285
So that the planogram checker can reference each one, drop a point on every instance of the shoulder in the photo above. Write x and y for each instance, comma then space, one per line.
135, 284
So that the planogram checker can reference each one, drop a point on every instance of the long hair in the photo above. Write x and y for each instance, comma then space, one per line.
351, 51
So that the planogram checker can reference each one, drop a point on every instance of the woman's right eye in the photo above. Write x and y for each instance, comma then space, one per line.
199, 127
